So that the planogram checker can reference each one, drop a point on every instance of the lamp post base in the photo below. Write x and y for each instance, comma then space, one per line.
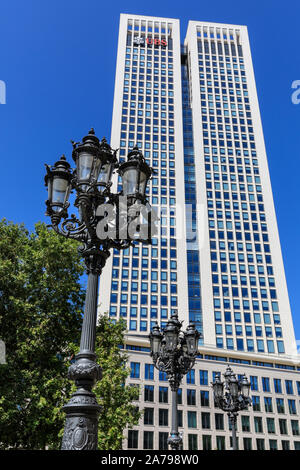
81, 428
175, 441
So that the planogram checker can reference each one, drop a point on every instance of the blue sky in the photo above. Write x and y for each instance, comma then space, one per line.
57, 58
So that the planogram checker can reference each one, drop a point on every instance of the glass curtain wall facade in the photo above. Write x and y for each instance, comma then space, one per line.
244, 295
193, 256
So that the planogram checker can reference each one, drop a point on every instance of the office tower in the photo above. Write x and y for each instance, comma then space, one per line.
192, 109
147, 283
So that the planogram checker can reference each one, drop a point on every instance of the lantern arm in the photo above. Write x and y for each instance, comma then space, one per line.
88, 216
186, 363
71, 228
168, 363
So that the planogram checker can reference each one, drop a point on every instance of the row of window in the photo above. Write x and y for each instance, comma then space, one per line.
208, 442
191, 400
287, 386
150, 418
227, 49
249, 345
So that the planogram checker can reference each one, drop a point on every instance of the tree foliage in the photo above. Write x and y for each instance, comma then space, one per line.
41, 301
114, 396
41, 305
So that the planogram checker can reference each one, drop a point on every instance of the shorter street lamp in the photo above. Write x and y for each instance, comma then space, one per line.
232, 396
174, 352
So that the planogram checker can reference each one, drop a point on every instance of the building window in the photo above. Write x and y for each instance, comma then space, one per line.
271, 425
289, 387
163, 376
295, 427
135, 370
191, 397
247, 443
192, 441
256, 402
266, 384
245, 424
280, 405
260, 444
277, 386
206, 442
163, 416
149, 371
133, 438
268, 405
285, 445
163, 394
292, 407
149, 393
163, 440
148, 439
220, 442
273, 444
282, 426
258, 426
205, 420
180, 420
204, 398
254, 383
149, 416
219, 421
190, 377
192, 419
203, 377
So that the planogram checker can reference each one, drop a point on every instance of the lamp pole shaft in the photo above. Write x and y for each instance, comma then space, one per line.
174, 439
88, 332
174, 427
81, 427
233, 420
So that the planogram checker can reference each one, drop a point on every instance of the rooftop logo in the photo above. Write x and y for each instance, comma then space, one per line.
141, 41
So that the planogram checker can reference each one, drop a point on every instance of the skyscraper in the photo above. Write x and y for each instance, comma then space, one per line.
192, 109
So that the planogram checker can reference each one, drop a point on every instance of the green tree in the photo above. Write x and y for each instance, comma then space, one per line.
41, 304
112, 393
41, 301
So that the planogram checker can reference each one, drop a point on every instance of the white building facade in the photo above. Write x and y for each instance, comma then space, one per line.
193, 111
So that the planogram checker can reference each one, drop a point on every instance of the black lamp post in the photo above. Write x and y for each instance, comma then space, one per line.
174, 352
232, 396
95, 163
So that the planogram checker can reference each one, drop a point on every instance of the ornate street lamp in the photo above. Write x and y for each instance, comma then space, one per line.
95, 163
232, 396
174, 352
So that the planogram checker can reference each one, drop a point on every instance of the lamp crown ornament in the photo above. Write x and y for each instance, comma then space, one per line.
174, 352
232, 395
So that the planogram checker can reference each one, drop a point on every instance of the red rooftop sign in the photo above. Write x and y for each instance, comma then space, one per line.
140, 41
